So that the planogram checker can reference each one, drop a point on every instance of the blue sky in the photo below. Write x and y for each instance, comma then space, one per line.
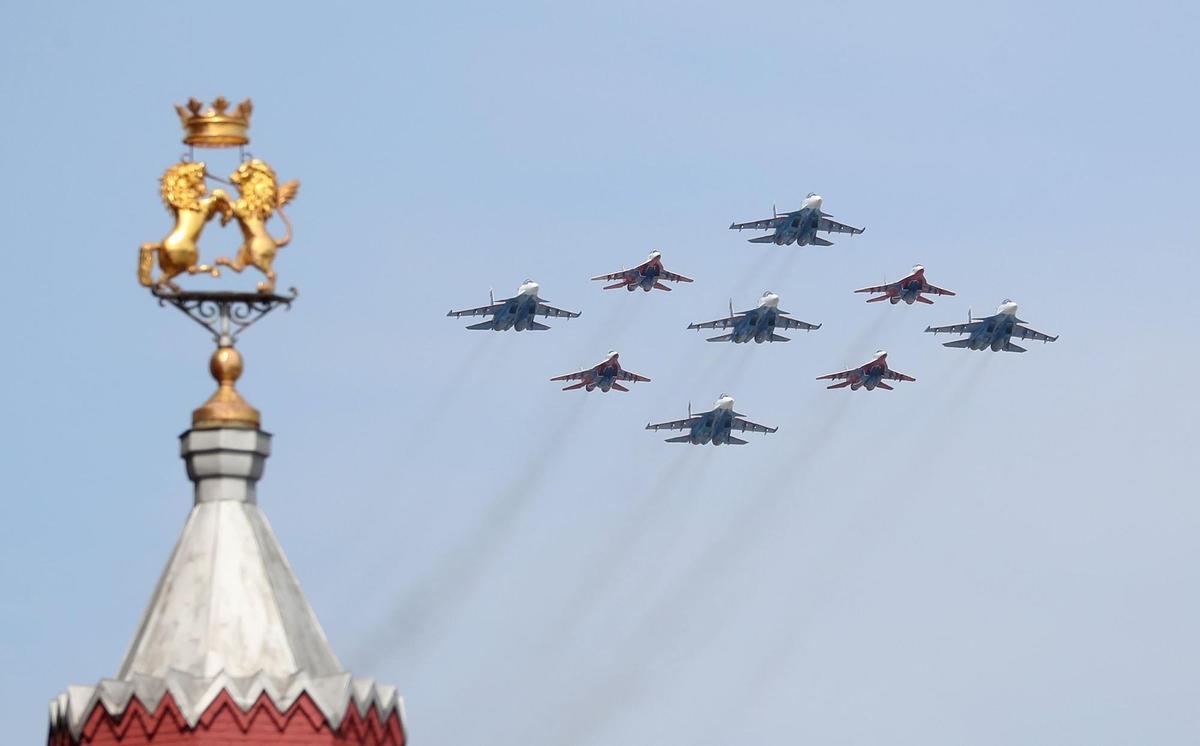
1002, 552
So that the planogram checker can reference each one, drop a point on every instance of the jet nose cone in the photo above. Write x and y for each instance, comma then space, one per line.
655, 254
1008, 307
612, 353
725, 402
880, 354
770, 299
918, 268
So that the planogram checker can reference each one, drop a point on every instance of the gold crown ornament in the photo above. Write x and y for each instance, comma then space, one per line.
218, 127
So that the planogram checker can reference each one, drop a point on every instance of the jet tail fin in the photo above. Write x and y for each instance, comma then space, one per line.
818, 241
763, 239
957, 343
481, 326
876, 300
575, 386
776, 338
721, 338
680, 439
841, 385
1010, 347
882, 385
735, 441
536, 327
923, 299
661, 286
616, 285
619, 387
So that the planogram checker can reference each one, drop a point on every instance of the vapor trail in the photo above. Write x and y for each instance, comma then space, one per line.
434, 599
622, 540
440, 403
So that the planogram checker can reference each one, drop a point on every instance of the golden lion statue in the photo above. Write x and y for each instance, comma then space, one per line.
258, 199
182, 191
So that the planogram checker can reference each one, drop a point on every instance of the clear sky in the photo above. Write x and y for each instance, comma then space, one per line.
1003, 552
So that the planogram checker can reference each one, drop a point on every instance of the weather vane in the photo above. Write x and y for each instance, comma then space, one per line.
224, 313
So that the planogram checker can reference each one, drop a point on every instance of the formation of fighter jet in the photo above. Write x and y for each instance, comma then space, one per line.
869, 375
518, 312
715, 426
604, 375
799, 226
909, 289
995, 331
758, 324
648, 275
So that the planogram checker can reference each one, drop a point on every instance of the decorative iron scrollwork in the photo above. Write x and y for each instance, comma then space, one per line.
225, 314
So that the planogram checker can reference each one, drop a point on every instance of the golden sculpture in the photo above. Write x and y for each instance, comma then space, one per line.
258, 198
183, 191
215, 128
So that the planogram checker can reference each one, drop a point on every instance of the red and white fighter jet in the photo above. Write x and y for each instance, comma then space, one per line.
604, 375
647, 276
909, 289
870, 375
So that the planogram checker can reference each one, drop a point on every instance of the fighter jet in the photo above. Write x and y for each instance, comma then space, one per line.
758, 324
715, 426
647, 276
603, 375
871, 375
995, 331
910, 289
799, 226
518, 312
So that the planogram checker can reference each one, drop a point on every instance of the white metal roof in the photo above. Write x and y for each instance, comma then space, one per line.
228, 612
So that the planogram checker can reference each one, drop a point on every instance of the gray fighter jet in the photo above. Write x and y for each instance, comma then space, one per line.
715, 426
518, 312
799, 226
995, 331
758, 324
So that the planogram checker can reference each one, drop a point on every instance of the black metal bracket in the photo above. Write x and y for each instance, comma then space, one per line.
225, 314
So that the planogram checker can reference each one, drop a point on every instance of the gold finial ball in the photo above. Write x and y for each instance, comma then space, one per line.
226, 407
226, 365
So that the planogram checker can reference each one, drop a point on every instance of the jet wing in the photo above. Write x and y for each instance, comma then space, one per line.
613, 276
675, 424
767, 224
895, 375
786, 322
955, 328
934, 290
748, 426
838, 376
552, 312
626, 375
577, 376
833, 226
718, 324
879, 288
1025, 332
673, 277
481, 311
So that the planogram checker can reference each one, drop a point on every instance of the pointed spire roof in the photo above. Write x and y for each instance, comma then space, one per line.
228, 617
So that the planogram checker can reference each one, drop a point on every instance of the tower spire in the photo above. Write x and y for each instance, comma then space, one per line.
228, 650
